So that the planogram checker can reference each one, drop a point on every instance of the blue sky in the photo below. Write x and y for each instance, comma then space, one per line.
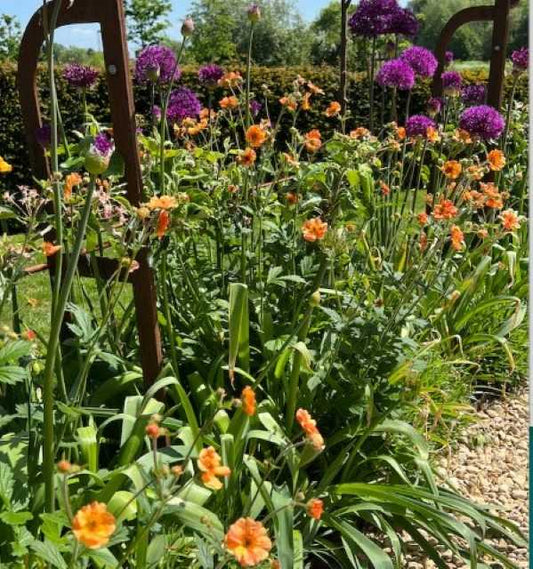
87, 36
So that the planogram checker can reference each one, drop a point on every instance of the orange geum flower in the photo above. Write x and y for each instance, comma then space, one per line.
445, 209
209, 463
385, 188
452, 169
510, 220
289, 102
314, 229
247, 540
292, 198
432, 134
256, 136
496, 160
423, 241
163, 221
313, 141
401, 133
315, 508
93, 525
308, 425
462, 136
314, 88
493, 198
73, 179
475, 172
247, 157
482, 233
162, 202
333, 109
306, 102
49, 249
457, 237
229, 102
359, 132
5, 168
291, 160
230, 79
423, 218
249, 405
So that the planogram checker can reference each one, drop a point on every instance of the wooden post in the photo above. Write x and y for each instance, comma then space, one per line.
110, 15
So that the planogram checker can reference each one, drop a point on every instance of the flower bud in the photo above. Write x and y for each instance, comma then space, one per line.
96, 163
315, 298
187, 27
254, 13
153, 72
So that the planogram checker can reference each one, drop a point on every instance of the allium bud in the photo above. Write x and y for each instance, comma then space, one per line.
315, 298
187, 27
254, 13
153, 72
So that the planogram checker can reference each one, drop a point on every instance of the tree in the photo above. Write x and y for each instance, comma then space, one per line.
281, 37
10, 34
147, 20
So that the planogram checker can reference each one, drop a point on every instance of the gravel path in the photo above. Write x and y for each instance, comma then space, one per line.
490, 465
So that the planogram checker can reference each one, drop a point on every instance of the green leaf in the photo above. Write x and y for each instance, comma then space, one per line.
16, 518
48, 552
239, 346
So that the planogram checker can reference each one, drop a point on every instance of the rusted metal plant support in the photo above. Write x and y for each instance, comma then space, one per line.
499, 15
110, 15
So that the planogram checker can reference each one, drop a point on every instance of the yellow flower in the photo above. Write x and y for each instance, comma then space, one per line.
5, 168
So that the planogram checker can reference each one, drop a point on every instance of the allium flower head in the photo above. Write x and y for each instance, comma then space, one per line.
403, 22
482, 121
434, 106
255, 107
156, 62
418, 125
396, 73
422, 60
373, 17
520, 59
210, 74
99, 155
80, 76
183, 103
451, 82
103, 144
474, 94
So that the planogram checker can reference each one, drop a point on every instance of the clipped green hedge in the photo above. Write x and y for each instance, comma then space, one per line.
278, 80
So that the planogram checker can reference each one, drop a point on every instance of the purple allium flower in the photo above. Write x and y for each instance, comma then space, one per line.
156, 62
474, 94
423, 62
483, 121
520, 59
448, 58
396, 73
80, 76
403, 22
255, 107
418, 125
451, 82
434, 106
43, 135
183, 104
373, 17
103, 144
210, 74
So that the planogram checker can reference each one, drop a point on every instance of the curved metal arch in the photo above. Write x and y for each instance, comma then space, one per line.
110, 15
499, 15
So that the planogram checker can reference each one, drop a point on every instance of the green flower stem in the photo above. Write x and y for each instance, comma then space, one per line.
248, 76
53, 346
168, 316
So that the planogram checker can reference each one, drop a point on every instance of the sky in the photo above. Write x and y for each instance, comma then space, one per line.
87, 35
